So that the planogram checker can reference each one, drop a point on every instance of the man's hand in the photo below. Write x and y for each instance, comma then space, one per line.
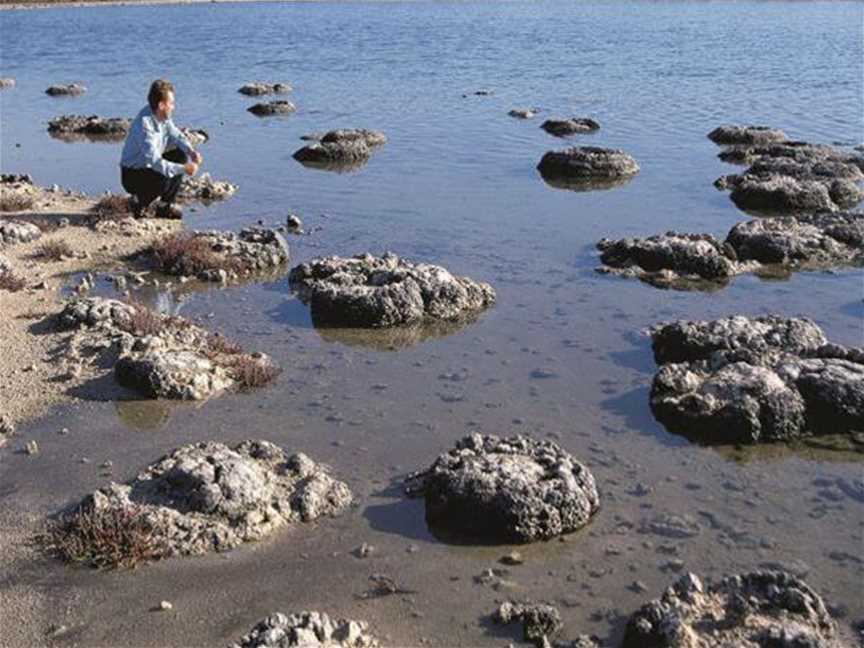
197, 158
190, 168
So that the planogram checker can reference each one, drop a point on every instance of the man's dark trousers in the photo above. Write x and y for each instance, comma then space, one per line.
147, 185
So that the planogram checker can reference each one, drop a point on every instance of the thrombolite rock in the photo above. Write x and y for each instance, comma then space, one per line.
746, 135
258, 88
676, 260
7, 82
588, 164
370, 292
172, 373
280, 107
14, 231
307, 629
93, 127
369, 137
523, 113
211, 497
514, 489
540, 621
765, 609
71, 89
571, 126
341, 150
742, 380
205, 189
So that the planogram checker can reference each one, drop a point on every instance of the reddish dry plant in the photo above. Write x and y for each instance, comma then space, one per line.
105, 538
11, 282
186, 254
112, 206
15, 202
54, 250
218, 344
146, 321
250, 372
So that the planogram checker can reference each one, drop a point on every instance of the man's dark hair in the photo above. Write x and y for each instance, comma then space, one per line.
159, 90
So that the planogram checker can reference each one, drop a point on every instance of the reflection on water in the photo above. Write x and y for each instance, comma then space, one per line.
335, 167
573, 183
393, 338
829, 448
146, 415
71, 138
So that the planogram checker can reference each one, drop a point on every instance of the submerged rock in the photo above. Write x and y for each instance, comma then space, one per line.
742, 380
368, 291
540, 621
341, 150
572, 126
257, 88
71, 89
512, 489
767, 609
211, 497
205, 189
587, 164
746, 135
13, 232
523, 113
281, 107
308, 630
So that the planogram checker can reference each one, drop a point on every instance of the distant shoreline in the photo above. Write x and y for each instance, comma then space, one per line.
97, 3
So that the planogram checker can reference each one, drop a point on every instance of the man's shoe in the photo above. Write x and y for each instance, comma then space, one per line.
135, 207
168, 211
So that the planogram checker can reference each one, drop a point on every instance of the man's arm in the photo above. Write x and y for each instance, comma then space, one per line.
153, 153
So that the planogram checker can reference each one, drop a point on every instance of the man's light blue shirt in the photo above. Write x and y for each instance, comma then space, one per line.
147, 140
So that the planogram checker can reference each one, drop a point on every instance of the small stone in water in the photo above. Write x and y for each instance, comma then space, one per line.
166, 605
513, 558
32, 448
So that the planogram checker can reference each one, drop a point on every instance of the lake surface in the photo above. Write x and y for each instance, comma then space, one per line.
456, 185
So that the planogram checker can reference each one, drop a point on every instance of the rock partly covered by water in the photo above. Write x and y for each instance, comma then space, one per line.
7, 82
822, 240
308, 630
211, 497
523, 113
748, 380
203, 188
571, 126
766, 609
746, 135
587, 165
71, 89
540, 621
14, 231
514, 489
258, 88
343, 149
269, 108
368, 291
107, 127
793, 177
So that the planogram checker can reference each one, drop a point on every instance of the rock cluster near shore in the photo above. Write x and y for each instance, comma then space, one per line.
787, 176
372, 292
341, 150
68, 90
205, 189
754, 609
74, 128
570, 126
259, 88
749, 380
309, 630
211, 497
514, 489
158, 355
587, 167
679, 260
270, 108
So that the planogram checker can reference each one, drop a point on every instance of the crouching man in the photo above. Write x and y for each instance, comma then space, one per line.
156, 155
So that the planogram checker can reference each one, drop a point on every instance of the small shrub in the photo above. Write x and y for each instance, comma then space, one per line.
189, 255
112, 207
54, 250
146, 321
250, 372
12, 202
218, 344
105, 538
11, 282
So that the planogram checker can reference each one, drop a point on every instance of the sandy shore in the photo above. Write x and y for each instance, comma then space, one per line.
34, 374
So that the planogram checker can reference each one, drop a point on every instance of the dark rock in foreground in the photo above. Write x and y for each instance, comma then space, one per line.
257, 88
746, 135
282, 107
765, 609
588, 164
307, 630
742, 380
504, 490
72, 89
210, 497
540, 622
367, 291
572, 126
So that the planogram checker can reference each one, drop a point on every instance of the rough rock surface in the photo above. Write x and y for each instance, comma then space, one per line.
540, 622
588, 164
341, 150
512, 489
760, 609
572, 126
71, 89
281, 107
13, 231
171, 373
93, 127
743, 380
204, 189
746, 135
368, 291
309, 630
523, 113
7, 82
342, 135
211, 497
258, 88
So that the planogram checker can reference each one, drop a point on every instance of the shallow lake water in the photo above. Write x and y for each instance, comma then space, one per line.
456, 185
